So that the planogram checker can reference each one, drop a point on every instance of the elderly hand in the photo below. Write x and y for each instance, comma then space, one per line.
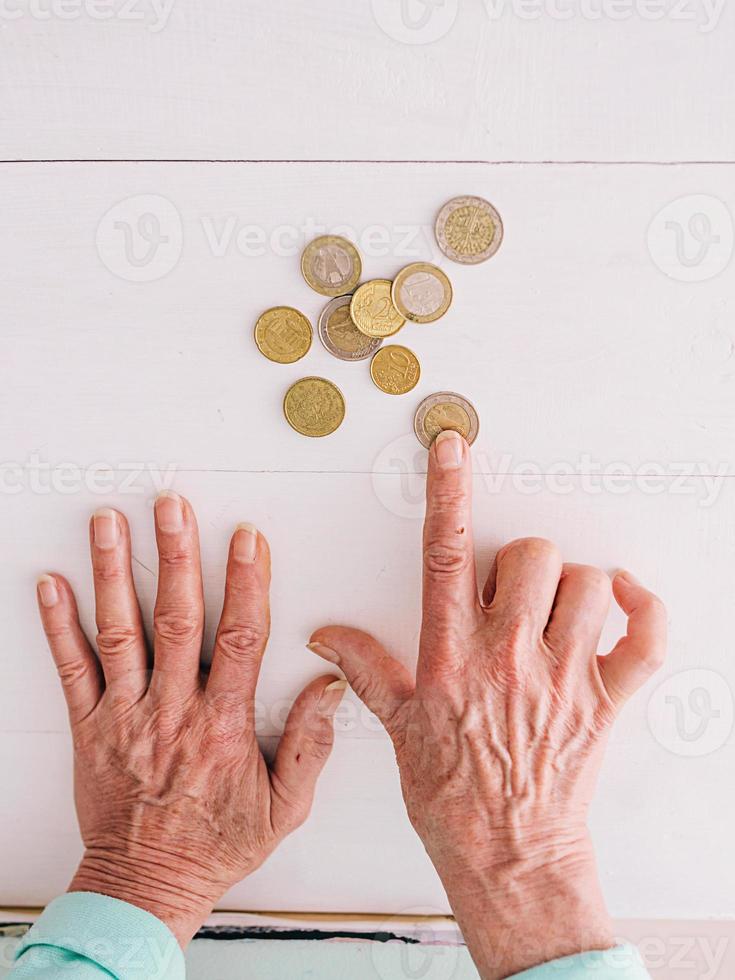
174, 799
499, 737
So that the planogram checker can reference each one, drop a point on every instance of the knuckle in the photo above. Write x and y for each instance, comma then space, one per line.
317, 744
116, 641
595, 580
58, 631
176, 557
109, 570
72, 673
243, 642
531, 549
444, 557
177, 625
447, 499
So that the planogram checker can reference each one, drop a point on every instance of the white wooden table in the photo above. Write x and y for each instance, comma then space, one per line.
597, 347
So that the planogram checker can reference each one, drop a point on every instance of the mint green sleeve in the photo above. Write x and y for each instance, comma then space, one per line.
91, 937
619, 963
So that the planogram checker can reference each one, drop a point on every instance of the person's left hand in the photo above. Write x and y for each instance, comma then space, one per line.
174, 799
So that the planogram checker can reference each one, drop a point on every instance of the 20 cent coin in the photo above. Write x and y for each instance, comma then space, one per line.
283, 334
372, 309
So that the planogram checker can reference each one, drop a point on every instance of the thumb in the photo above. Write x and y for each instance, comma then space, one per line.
303, 750
377, 678
641, 652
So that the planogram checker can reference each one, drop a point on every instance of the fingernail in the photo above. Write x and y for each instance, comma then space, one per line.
47, 591
449, 448
169, 511
627, 577
245, 543
105, 528
326, 653
331, 696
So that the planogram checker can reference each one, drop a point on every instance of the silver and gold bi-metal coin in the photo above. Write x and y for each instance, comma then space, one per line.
445, 410
469, 230
421, 292
340, 336
331, 265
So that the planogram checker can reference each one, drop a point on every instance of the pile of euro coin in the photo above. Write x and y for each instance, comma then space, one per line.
360, 317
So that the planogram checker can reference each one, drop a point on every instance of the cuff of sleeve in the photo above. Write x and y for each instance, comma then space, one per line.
128, 942
619, 963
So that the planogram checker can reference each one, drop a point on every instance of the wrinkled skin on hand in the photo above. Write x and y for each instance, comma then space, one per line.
500, 735
174, 799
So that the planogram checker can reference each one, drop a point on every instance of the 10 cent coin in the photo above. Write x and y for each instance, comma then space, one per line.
422, 292
395, 369
314, 407
445, 410
339, 334
283, 334
469, 230
331, 265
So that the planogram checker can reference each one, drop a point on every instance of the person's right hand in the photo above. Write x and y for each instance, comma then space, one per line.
500, 736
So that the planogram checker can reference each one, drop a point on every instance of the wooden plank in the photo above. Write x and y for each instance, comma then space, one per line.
192, 79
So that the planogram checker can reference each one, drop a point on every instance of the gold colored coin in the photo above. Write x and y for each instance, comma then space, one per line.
422, 292
314, 407
445, 410
469, 230
331, 265
395, 369
283, 334
372, 309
